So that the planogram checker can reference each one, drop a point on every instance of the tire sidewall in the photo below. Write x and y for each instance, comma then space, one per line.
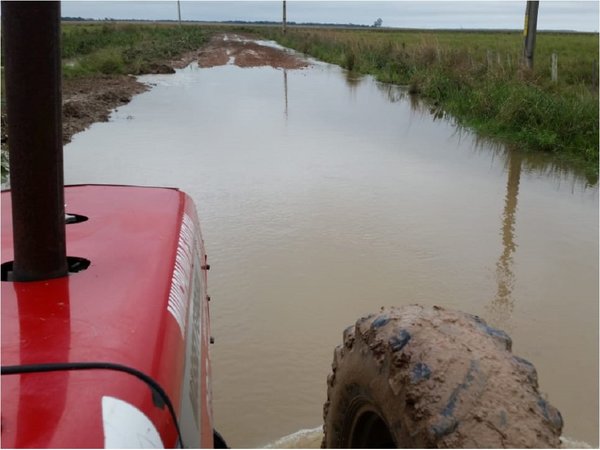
361, 385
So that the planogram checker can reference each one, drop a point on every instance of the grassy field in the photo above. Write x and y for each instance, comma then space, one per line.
110, 48
478, 78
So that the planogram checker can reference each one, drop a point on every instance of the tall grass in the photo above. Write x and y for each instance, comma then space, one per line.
479, 79
111, 48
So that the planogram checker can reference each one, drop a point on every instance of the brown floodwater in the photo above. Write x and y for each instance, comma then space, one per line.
322, 197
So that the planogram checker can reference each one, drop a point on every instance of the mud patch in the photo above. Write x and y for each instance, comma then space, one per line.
89, 100
185, 59
242, 52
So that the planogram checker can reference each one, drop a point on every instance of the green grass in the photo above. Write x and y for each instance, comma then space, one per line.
111, 48
477, 77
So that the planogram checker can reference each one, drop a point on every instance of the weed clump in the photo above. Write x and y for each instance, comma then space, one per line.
112, 49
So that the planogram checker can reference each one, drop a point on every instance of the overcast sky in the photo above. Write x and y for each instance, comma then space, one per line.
553, 15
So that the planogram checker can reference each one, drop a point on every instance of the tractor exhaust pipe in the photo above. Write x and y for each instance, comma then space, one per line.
32, 64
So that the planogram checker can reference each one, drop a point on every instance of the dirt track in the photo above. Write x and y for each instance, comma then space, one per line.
90, 100
243, 52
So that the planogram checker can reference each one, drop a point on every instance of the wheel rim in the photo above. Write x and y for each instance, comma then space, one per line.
368, 429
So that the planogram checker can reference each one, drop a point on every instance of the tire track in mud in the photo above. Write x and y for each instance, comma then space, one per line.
244, 52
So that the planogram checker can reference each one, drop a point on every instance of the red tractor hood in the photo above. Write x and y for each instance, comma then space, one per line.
98, 358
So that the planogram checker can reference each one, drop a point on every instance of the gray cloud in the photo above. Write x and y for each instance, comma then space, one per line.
564, 15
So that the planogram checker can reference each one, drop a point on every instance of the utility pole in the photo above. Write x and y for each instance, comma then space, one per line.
284, 23
179, 11
529, 31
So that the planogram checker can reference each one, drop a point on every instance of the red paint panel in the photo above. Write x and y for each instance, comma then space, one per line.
115, 311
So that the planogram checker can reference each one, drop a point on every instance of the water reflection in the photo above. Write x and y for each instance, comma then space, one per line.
353, 79
532, 162
503, 303
395, 93
285, 90
502, 306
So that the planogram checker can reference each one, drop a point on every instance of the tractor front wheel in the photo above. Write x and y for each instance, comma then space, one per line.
425, 377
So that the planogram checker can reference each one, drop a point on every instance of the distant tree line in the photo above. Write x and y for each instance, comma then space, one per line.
231, 22
75, 19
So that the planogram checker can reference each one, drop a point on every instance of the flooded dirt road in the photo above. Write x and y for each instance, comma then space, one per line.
324, 196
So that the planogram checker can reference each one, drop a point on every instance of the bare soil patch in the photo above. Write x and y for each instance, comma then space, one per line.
89, 100
243, 52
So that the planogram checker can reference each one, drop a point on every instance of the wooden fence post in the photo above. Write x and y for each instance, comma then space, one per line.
554, 67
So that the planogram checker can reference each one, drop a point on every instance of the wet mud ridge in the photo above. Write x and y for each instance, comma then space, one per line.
89, 100
235, 49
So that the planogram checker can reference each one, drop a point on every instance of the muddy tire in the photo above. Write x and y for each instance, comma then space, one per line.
429, 377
